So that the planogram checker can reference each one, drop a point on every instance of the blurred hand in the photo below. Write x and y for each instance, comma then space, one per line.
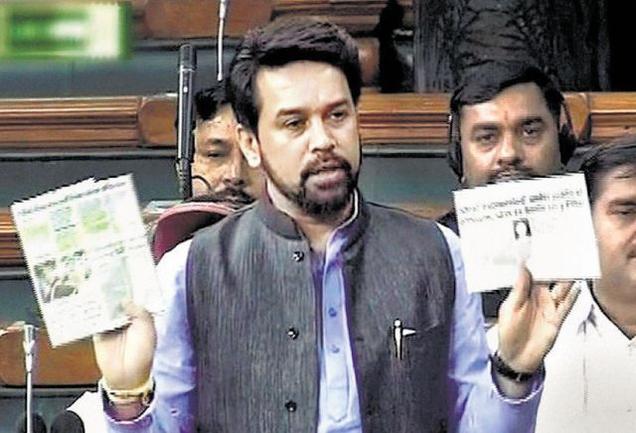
125, 355
530, 319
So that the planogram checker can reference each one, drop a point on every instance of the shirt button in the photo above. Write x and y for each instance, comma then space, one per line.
292, 333
291, 406
298, 256
332, 312
334, 348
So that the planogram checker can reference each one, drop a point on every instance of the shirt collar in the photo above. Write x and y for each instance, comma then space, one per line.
587, 313
283, 225
583, 309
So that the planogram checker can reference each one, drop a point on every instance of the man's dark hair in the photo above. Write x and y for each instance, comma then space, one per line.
208, 101
599, 161
485, 82
283, 41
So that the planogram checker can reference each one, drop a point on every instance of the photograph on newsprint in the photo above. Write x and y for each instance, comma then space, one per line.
86, 250
545, 222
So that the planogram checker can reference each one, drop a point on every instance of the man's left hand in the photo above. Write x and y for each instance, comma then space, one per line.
530, 320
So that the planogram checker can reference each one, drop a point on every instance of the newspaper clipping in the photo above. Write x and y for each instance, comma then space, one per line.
86, 251
544, 222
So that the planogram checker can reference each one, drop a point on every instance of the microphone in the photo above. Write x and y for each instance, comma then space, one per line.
28, 344
223, 6
37, 422
185, 140
67, 422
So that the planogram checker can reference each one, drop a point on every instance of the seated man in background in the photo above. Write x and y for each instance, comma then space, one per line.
506, 124
590, 381
219, 167
222, 181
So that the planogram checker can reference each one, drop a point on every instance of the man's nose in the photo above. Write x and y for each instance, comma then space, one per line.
321, 137
234, 172
510, 149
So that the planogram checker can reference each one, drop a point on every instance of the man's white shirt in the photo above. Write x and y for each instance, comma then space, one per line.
590, 384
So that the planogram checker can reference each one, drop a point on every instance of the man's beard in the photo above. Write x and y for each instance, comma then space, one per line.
309, 200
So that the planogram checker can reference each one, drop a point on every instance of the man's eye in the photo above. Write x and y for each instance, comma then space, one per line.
625, 210
294, 124
531, 131
338, 114
216, 152
486, 137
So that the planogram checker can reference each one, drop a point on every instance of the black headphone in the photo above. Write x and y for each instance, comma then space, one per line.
567, 141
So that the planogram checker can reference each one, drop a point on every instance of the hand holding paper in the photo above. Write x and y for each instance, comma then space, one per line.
86, 250
544, 223
530, 320
507, 229
125, 355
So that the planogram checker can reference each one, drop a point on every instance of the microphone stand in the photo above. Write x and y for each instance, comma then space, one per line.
187, 71
185, 140
28, 345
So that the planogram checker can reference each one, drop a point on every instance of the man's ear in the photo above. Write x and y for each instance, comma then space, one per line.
250, 147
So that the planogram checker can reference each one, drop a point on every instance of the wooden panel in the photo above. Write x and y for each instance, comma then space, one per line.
72, 122
157, 115
70, 365
578, 107
357, 16
384, 119
612, 115
173, 19
369, 53
405, 118
10, 251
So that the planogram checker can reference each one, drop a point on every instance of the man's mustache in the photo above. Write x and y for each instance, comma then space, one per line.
512, 173
233, 197
236, 196
332, 162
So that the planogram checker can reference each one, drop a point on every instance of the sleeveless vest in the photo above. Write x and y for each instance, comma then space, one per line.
255, 322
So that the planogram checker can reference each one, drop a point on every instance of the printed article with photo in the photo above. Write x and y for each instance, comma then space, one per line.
86, 251
543, 222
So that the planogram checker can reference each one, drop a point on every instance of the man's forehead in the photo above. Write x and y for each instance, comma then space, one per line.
224, 114
288, 87
517, 102
223, 119
620, 180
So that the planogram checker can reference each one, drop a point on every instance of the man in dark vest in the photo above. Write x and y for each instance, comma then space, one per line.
314, 310
508, 121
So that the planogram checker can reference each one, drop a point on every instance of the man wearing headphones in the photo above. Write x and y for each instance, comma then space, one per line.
505, 124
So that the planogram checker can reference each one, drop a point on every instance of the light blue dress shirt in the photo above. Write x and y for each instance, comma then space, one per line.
476, 404
338, 400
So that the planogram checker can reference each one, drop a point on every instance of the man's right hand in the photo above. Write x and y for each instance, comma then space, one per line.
125, 355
